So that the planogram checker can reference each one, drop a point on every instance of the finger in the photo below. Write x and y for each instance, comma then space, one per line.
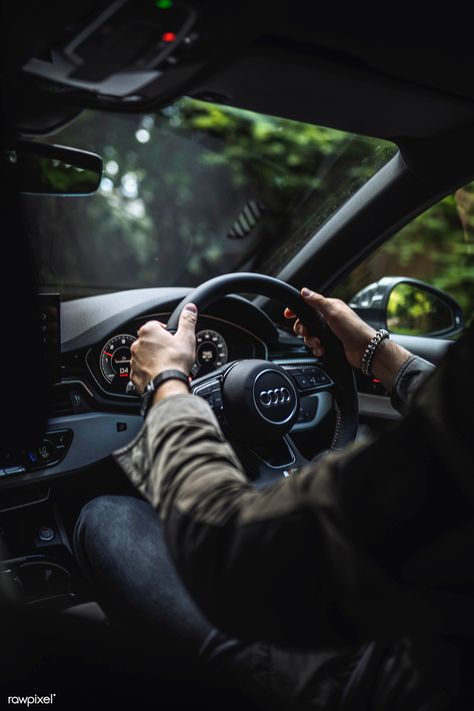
187, 322
135, 380
319, 352
317, 301
143, 329
297, 327
312, 342
300, 329
148, 328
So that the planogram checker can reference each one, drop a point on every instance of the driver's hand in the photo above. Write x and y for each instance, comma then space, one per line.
156, 349
353, 333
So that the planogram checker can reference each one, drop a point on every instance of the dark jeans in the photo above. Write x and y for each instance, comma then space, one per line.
120, 546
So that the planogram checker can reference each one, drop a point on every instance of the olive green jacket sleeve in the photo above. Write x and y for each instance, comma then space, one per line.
310, 558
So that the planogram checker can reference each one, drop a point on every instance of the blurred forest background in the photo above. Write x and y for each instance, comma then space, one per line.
437, 247
200, 189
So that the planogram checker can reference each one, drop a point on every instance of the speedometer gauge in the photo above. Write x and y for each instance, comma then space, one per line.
211, 352
114, 363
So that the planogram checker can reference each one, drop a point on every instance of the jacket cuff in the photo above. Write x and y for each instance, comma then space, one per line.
411, 375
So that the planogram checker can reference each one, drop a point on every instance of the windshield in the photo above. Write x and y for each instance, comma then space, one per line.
190, 192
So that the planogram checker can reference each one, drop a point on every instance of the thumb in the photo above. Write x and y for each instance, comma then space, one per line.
317, 301
187, 321
188, 318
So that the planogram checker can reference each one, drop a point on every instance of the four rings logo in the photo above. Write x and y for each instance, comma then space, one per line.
274, 397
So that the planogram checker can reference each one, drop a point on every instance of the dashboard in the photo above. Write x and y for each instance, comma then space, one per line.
217, 342
92, 412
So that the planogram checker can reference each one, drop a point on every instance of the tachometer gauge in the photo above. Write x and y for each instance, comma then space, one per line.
211, 352
114, 363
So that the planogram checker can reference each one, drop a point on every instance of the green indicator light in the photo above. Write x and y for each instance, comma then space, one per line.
164, 4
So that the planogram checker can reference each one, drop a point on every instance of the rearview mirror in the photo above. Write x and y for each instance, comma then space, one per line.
409, 307
42, 169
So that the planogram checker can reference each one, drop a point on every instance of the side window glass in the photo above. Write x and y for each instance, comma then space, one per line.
437, 247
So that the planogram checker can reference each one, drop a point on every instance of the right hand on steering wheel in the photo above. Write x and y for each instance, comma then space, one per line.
354, 335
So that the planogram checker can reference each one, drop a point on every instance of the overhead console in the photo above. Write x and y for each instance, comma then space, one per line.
135, 50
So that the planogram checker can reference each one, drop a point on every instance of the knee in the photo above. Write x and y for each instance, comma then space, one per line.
102, 522
94, 514
90, 523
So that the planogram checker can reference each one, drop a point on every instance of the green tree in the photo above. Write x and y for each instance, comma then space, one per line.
174, 184
437, 247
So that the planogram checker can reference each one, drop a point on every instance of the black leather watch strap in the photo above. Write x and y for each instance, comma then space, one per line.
153, 385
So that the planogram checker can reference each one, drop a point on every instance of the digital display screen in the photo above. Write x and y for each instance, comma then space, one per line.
50, 330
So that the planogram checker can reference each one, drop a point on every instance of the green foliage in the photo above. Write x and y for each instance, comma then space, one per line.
436, 247
415, 312
175, 182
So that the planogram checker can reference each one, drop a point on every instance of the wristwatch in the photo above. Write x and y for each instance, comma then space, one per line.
153, 385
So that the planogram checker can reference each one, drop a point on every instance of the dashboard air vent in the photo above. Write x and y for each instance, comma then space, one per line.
60, 403
67, 400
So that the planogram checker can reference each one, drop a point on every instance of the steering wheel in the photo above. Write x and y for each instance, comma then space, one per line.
258, 399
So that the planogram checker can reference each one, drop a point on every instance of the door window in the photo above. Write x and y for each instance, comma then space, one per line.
436, 247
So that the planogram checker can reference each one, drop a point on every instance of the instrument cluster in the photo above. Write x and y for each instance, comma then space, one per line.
217, 343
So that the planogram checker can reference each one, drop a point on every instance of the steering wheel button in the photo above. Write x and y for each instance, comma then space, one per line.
295, 371
322, 379
303, 382
203, 391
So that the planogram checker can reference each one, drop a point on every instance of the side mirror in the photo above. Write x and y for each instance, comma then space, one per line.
409, 307
42, 169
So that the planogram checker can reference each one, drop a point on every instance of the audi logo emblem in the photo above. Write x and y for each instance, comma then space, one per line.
274, 397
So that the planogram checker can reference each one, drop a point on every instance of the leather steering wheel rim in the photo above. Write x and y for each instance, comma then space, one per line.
335, 362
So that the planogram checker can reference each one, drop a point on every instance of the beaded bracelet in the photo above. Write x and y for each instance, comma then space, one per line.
369, 352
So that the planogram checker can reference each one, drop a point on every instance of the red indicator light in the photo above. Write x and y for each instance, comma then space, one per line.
168, 36
374, 380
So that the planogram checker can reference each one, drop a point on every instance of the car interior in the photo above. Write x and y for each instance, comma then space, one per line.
92, 86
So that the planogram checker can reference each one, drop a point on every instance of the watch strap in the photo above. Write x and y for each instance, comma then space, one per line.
153, 385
